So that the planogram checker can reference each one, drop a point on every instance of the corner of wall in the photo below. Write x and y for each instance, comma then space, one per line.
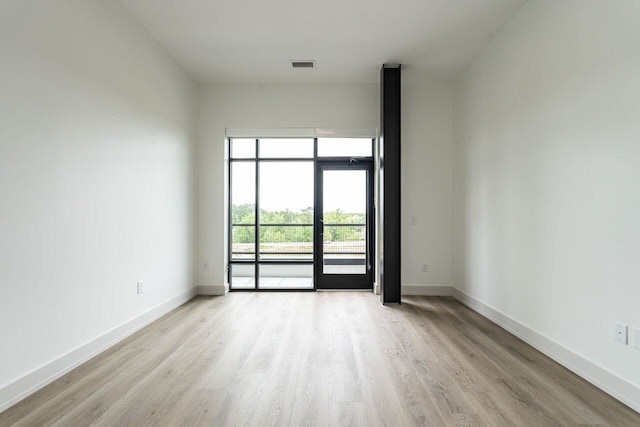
213, 290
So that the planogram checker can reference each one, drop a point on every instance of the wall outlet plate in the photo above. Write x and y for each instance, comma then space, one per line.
139, 288
621, 333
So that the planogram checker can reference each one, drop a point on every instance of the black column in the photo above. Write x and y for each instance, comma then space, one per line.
390, 184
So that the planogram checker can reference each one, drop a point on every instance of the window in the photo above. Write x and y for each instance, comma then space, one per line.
271, 209
277, 249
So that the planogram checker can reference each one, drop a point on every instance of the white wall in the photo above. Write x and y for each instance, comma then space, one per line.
96, 181
427, 185
547, 166
427, 182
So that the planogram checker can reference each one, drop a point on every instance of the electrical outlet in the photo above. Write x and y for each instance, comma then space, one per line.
621, 333
205, 267
425, 268
414, 220
139, 288
636, 338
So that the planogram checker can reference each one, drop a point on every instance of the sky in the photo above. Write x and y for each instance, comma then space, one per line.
289, 185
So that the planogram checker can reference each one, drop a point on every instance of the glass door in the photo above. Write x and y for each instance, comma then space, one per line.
344, 213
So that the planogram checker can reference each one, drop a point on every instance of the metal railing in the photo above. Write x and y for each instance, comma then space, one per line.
345, 239
295, 241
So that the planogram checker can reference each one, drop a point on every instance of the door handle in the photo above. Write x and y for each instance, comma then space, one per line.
368, 260
367, 249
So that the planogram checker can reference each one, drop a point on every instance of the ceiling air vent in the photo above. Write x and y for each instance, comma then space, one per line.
303, 64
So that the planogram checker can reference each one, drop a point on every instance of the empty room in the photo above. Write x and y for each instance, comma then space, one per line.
319, 212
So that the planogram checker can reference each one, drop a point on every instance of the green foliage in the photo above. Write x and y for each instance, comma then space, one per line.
294, 227
243, 214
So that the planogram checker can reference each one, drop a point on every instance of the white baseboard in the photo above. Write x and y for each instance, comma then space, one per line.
213, 289
14, 392
427, 290
605, 380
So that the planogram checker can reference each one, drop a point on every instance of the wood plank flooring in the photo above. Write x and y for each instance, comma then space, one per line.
325, 358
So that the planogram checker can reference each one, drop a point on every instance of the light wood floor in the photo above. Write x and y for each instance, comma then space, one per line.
326, 358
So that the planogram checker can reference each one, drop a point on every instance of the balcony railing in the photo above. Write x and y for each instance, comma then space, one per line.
295, 241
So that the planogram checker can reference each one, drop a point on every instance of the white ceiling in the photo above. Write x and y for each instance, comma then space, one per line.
252, 41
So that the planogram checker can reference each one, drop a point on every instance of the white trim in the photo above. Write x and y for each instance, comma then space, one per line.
213, 289
346, 132
301, 133
14, 392
605, 380
427, 290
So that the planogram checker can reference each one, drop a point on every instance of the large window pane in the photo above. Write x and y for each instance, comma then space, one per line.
345, 147
344, 230
286, 210
243, 208
286, 148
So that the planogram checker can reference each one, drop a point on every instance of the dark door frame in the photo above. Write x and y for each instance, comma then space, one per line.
343, 281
